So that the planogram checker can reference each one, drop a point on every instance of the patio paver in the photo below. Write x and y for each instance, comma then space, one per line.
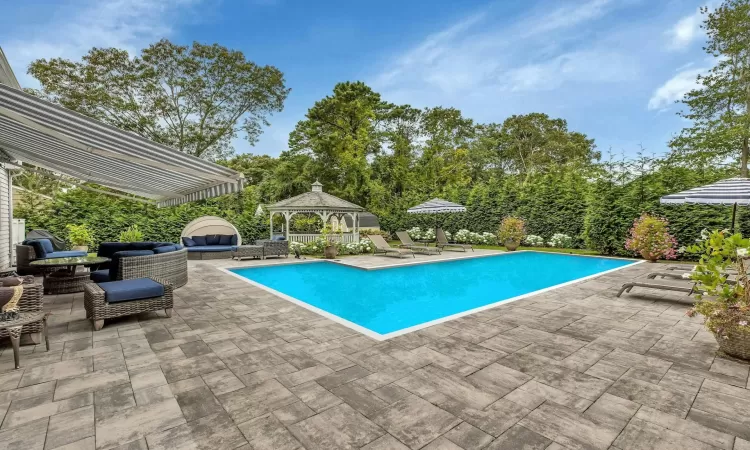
237, 367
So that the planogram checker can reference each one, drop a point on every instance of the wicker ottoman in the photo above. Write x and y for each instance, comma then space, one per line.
98, 308
248, 251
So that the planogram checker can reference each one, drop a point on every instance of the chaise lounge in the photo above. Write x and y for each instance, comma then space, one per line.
442, 242
34, 249
381, 246
406, 242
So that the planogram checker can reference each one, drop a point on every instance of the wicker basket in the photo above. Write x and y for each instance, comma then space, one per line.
739, 347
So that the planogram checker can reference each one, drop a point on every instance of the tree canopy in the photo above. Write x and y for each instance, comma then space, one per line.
195, 99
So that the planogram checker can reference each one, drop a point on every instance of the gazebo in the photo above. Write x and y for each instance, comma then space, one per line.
322, 204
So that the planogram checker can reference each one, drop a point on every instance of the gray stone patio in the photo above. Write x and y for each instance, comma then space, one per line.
236, 367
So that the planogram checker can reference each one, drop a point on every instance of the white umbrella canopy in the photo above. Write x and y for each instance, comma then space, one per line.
732, 191
436, 206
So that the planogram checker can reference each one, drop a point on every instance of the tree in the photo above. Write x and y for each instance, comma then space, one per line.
339, 133
195, 99
720, 107
533, 143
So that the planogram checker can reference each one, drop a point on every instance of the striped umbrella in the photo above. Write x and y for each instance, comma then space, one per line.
733, 191
436, 206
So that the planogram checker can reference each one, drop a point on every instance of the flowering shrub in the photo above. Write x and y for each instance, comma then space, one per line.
727, 310
511, 229
533, 240
650, 237
470, 237
428, 234
560, 240
317, 246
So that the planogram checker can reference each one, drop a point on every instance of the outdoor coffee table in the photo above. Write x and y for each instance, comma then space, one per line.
248, 251
65, 280
14, 330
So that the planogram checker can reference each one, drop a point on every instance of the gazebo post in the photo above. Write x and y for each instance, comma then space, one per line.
271, 223
287, 217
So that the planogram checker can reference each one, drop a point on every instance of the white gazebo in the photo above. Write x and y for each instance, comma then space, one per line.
324, 205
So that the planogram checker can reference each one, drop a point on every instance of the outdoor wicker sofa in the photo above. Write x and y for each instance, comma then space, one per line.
163, 260
212, 246
33, 249
113, 299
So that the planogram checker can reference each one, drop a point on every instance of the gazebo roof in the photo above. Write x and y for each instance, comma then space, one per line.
316, 200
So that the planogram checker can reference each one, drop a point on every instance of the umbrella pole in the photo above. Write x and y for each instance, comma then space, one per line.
734, 215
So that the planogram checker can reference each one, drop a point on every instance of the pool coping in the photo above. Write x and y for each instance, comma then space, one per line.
384, 337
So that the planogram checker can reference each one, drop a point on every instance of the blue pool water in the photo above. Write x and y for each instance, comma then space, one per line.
391, 299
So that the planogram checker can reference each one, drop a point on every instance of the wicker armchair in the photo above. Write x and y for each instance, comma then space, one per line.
274, 248
32, 300
170, 266
98, 309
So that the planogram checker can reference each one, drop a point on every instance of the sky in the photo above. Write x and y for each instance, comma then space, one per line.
612, 68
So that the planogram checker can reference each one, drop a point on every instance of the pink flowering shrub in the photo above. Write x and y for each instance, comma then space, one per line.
649, 237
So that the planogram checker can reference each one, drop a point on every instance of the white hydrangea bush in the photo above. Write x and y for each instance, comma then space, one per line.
560, 240
417, 233
469, 237
317, 246
533, 240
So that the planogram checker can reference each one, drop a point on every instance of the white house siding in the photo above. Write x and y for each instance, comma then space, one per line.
5, 223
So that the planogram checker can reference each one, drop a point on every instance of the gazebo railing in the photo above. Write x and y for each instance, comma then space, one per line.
306, 238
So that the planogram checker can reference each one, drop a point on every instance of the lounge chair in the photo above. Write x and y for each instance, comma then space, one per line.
688, 288
442, 242
381, 246
406, 242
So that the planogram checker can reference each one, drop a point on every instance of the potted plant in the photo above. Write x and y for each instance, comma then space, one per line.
725, 299
132, 234
331, 241
511, 233
80, 237
650, 238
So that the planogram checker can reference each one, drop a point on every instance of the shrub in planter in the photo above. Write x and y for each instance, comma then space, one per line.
511, 233
726, 302
533, 240
560, 240
80, 237
650, 238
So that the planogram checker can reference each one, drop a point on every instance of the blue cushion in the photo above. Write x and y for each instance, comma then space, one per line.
165, 249
212, 239
200, 240
279, 238
47, 245
225, 239
107, 249
178, 247
125, 290
234, 239
188, 242
212, 248
114, 265
100, 276
65, 254
38, 248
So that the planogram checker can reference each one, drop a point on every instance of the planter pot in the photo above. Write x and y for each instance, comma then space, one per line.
737, 346
330, 252
82, 248
648, 256
511, 245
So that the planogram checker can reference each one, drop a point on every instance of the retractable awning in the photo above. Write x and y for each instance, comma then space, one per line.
52, 137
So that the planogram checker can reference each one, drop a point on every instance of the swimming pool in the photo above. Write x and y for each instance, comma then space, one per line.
390, 301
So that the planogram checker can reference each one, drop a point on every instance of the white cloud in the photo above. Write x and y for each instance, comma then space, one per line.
486, 53
686, 31
675, 88
125, 24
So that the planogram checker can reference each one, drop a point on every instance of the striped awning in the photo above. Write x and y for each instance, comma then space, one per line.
726, 192
55, 138
436, 206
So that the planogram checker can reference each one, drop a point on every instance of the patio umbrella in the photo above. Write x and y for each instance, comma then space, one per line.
733, 191
436, 206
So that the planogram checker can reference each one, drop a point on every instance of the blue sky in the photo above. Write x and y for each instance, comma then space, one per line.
612, 68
